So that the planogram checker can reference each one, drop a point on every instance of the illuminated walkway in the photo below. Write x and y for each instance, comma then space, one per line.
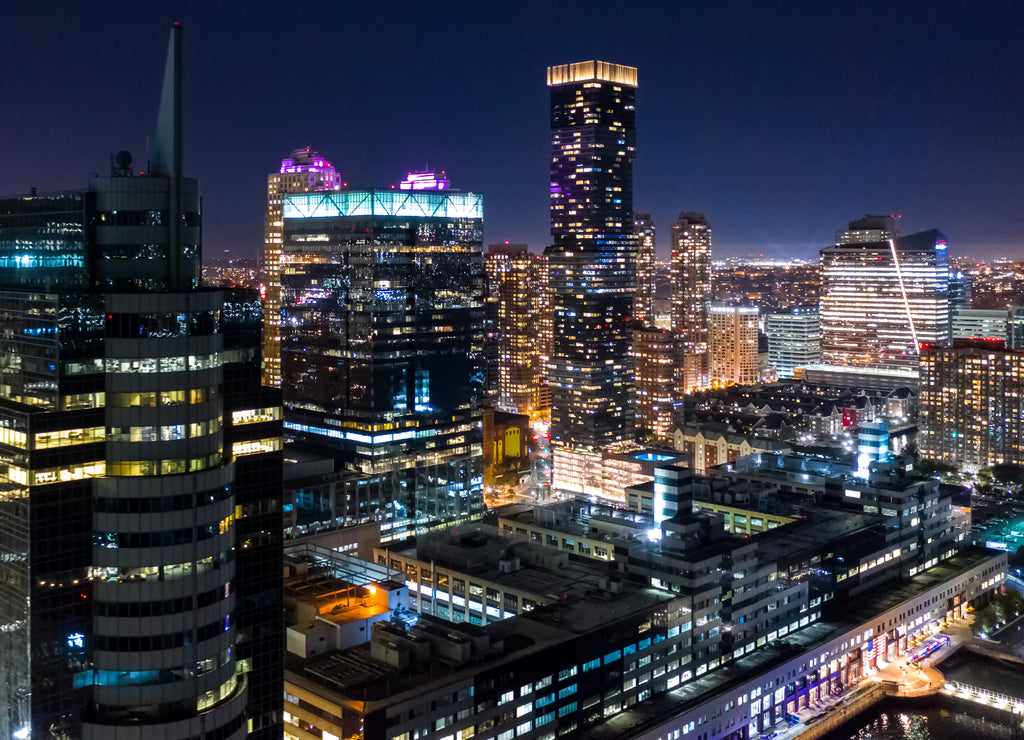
1013, 704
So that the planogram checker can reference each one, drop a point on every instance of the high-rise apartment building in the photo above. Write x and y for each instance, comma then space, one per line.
732, 345
658, 359
794, 340
517, 284
691, 279
304, 171
972, 404
881, 299
141, 545
592, 260
382, 341
646, 270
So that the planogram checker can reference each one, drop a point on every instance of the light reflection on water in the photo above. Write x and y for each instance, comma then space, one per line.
887, 722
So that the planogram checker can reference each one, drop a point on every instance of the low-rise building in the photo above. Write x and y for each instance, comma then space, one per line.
712, 444
617, 662
606, 474
474, 574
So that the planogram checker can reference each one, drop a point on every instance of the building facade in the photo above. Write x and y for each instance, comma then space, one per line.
592, 261
658, 358
691, 279
382, 342
304, 171
732, 345
972, 404
881, 299
141, 522
979, 323
517, 285
870, 229
646, 269
794, 340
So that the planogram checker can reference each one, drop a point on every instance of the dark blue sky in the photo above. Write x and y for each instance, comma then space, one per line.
780, 120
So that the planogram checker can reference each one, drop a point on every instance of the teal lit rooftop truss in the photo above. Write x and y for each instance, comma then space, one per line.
384, 203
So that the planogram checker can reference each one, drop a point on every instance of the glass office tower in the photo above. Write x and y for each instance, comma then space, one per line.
139, 529
593, 258
880, 300
382, 338
302, 172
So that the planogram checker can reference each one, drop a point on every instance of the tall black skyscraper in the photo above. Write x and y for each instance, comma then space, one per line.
593, 257
382, 342
140, 526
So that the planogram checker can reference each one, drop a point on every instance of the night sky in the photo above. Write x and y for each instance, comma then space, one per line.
779, 120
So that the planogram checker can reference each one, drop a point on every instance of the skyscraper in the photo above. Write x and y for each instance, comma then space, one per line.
732, 351
691, 279
881, 299
517, 281
382, 341
304, 171
870, 229
592, 262
972, 404
140, 555
794, 340
646, 272
658, 359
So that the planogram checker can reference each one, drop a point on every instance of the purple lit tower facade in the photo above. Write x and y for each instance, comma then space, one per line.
593, 256
304, 171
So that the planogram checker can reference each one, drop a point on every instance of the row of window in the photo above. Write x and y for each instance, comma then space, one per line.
152, 399
137, 609
163, 364
169, 538
162, 325
165, 467
144, 218
159, 504
169, 572
149, 643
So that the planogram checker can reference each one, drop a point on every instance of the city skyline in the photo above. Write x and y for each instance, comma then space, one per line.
792, 120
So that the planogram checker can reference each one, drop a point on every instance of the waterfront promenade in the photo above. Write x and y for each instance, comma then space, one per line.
903, 677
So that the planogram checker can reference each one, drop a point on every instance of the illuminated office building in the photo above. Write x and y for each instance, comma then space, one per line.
960, 290
141, 544
691, 279
592, 260
658, 359
646, 270
794, 340
732, 345
517, 281
870, 229
382, 341
304, 171
979, 323
881, 299
972, 404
